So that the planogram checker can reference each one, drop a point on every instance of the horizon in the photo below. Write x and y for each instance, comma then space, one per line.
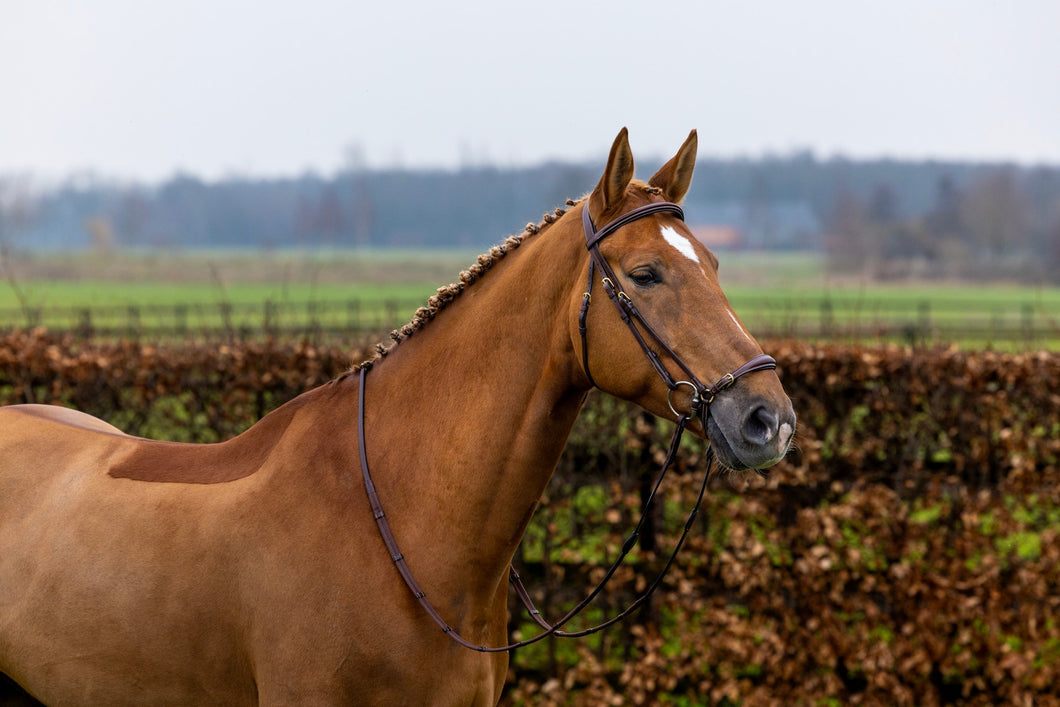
33, 184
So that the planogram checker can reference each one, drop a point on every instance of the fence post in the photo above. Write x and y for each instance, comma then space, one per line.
225, 308
269, 324
353, 315
827, 317
313, 330
180, 319
84, 324
133, 321
924, 319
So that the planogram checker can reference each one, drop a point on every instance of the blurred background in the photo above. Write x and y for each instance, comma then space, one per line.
208, 207
841, 146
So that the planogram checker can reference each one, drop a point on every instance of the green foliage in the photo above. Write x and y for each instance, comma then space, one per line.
925, 515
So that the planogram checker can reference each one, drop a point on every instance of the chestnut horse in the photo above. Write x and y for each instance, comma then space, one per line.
252, 571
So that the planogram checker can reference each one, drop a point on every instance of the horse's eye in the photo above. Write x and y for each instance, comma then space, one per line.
644, 277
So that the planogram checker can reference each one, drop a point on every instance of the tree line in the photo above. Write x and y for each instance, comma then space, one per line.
880, 218
1002, 224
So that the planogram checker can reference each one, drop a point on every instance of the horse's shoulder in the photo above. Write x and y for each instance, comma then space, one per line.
126, 456
190, 463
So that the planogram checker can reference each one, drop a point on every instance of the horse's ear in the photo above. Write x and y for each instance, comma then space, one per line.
675, 176
617, 174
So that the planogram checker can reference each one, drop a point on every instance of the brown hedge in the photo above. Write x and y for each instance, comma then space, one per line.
906, 553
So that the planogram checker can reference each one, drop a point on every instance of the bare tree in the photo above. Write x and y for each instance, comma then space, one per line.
16, 208
995, 214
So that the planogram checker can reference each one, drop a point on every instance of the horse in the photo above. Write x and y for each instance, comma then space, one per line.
253, 571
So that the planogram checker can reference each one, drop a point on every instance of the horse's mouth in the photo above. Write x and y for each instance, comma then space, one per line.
723, 451
757, 459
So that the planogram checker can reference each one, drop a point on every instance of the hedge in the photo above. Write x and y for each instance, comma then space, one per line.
905, 553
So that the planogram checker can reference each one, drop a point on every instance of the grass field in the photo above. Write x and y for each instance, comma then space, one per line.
152, 278
775, 294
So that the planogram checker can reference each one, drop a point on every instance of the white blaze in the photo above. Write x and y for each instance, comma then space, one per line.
738, 324
683, 245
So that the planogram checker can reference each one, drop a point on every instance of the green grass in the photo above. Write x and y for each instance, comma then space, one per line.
99, 293
776, 295
153, 278
220, 290
1004, 316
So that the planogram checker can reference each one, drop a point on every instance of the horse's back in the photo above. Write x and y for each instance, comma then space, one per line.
60, 416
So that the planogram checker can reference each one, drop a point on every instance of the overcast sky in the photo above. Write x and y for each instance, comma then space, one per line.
134, 89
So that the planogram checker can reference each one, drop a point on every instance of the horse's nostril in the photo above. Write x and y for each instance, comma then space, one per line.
761, 426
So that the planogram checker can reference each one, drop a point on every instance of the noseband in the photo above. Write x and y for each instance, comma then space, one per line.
702, 396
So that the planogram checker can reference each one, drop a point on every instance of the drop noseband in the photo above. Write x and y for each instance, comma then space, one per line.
702, 396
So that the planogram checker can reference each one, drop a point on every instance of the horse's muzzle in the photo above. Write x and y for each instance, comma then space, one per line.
750, 434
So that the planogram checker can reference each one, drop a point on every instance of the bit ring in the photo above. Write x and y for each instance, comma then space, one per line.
696, 402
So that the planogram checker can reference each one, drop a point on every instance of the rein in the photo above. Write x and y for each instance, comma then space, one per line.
702, 396
551, 629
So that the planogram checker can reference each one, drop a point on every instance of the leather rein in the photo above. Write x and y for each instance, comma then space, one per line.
699, 407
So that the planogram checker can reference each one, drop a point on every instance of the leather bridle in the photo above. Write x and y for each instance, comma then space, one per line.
702, 395
699, 407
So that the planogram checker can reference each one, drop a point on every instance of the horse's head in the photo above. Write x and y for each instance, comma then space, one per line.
665, 282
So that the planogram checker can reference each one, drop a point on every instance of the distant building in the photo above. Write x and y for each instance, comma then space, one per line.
745, 225
718, 237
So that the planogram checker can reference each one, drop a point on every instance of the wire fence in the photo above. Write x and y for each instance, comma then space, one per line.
1007, 325
314, 320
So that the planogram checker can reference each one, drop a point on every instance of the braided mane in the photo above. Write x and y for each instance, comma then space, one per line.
446, 295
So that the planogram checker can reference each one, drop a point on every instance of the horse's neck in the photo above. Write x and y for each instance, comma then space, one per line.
466, 420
